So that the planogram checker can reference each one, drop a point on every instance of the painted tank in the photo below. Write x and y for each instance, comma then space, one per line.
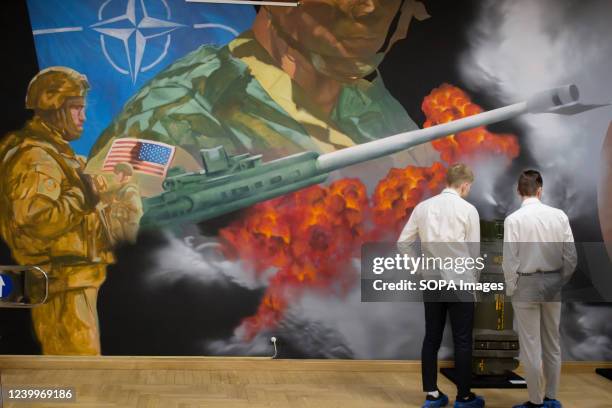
229, 183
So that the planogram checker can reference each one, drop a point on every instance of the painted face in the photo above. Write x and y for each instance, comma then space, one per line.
122, 177
76, 110
71, 117
338, 28
339, 35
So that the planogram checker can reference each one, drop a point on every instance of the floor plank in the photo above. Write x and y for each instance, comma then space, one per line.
267, 384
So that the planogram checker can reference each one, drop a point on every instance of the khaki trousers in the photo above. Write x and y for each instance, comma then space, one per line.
538, 329
68, 323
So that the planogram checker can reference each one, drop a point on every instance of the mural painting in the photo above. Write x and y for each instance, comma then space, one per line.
182, 93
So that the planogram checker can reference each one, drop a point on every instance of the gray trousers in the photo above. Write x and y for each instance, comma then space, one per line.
537, 321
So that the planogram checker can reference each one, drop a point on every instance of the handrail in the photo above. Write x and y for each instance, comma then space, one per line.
21, 268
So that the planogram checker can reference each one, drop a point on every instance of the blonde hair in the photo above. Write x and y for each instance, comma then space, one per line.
458, 174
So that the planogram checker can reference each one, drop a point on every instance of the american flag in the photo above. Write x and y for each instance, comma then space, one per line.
145, 156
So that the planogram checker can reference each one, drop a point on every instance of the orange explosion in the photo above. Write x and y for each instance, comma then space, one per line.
399, 192
447, 103
310, 236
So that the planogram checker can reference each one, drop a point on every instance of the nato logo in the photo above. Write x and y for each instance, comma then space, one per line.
121, 44
6, 286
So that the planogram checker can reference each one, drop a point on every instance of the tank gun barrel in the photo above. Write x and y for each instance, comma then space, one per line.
542, 102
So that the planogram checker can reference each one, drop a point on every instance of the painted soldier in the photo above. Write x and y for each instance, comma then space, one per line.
124, 209
49, 215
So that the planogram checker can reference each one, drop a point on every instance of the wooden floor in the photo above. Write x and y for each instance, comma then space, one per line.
244, 382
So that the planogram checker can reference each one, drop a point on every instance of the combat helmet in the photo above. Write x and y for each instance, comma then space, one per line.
50, 88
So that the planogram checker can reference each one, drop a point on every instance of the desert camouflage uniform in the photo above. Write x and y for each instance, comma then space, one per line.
48, 217
125, 212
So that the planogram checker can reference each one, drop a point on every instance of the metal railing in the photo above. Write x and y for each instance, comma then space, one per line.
5, 302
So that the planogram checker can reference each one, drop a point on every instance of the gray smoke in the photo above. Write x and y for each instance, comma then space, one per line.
488, 173
518, 47
307, 338
314, 326
323, 326
372, 330
199, 258
586, 331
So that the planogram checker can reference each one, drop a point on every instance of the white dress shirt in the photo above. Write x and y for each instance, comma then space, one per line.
445, 218
547, 226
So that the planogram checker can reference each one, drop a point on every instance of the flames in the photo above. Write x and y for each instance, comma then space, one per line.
399, 192
447, 103
311, 236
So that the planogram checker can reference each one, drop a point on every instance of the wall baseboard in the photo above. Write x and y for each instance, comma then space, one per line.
233, 363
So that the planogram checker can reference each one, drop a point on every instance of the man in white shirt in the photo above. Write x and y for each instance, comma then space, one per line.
445, 225
539, 257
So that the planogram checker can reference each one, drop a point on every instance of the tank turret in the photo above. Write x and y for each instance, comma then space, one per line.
227, 183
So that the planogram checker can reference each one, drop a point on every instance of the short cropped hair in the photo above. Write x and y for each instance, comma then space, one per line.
529, 182
458, 174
